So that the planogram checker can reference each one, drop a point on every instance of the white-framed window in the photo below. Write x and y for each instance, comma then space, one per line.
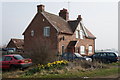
47, 31
32, 32
82, 49
81, 34
90, 49
77, 33
43, 19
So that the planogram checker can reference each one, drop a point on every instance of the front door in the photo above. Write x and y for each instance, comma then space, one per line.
63, 49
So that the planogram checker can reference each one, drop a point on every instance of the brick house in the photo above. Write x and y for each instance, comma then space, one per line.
65, 35
17, 44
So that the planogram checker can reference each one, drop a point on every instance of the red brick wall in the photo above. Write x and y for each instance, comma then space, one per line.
80, 42
65, 42
85, 42
38, 26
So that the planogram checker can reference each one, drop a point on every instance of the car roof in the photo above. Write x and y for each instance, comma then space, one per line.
107, 52
11, 55
77, 54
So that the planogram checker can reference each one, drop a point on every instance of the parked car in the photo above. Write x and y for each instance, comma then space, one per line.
14, 61
105, 57
118, 58
73, 56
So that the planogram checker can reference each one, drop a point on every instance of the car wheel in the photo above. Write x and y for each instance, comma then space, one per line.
22, 69
12, 67
108, 61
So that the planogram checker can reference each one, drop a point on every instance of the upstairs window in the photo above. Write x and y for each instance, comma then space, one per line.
32, 33
77, 34
81, 34
47, 31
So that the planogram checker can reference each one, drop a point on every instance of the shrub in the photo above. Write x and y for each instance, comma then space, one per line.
88, 64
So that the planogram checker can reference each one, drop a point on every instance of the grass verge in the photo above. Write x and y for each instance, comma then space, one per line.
87, 73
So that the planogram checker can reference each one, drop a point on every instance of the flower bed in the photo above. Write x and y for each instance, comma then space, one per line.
49, 66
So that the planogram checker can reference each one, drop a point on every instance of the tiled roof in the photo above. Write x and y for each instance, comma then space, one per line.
58, 22
64, 26
90, 35
19, 43
72, 43
74, 23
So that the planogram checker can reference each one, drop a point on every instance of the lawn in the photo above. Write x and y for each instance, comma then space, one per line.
62, 69
87, 73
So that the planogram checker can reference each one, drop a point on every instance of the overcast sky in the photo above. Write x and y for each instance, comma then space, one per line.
101, 18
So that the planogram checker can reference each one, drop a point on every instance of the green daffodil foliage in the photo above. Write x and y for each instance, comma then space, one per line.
54, 65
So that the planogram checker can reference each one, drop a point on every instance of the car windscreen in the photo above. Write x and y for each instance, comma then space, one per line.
96, 54
77, 54
18, 57
68, 56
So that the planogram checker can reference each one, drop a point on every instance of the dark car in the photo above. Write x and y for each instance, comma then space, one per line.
105, 57
14, 61
73, 56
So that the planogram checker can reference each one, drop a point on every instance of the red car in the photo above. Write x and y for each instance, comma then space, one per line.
14, 61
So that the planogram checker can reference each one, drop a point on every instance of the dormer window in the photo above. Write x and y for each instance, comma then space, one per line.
77, 34
32, 33
47, 31
81, 34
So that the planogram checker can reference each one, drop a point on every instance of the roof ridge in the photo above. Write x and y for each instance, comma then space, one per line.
49, 20
17, 39
90, 35
58, 22
72, 20
55, 15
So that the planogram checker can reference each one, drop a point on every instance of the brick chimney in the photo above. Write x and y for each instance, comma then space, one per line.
40, 8
79, 18
64, 14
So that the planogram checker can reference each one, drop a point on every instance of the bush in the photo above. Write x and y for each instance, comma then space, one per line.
88, 64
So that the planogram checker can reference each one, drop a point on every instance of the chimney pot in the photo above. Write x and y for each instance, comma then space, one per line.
64, 14
40, 8
79, 18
